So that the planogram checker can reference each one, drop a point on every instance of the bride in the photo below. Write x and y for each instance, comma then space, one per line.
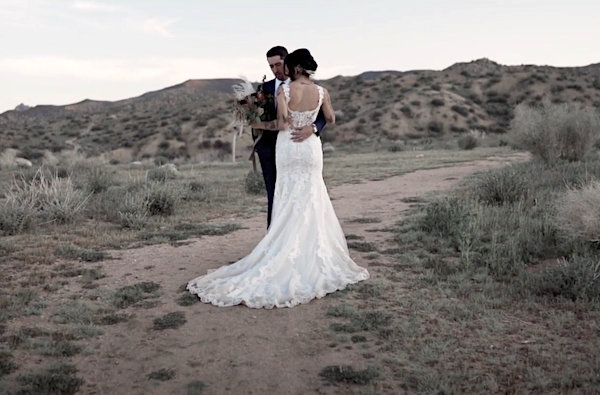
304, 254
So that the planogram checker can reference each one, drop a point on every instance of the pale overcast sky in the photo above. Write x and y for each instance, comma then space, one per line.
64, 51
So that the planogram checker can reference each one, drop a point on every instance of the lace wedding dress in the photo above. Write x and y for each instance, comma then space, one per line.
304, 254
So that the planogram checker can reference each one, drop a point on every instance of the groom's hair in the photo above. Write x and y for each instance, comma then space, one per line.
277, 51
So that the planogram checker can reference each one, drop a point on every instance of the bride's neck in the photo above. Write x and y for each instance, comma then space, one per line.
302, 79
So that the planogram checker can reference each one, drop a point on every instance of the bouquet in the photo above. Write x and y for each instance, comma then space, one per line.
248, 107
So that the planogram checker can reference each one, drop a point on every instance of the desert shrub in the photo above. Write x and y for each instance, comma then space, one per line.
407, 111
497, 187
575, 87
160, 160
226, 147
442, 217
577, 278
98, 179
438, 103
17, 216
556, 131
578, 213
197, 191
500, 239
396, 148
130, 211
162, 199
162, 174
32, 154
460, 110
493, 81
255, 183
376, 115
51, 198
435, 127
468, 141
134, 204
507, 219
555, 89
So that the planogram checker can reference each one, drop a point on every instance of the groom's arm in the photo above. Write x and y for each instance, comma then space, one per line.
320, 122
300, 135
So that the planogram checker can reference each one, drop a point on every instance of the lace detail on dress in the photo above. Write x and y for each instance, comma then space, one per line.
303, 118
304, 255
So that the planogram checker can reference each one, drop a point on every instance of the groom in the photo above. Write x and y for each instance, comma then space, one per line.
265, 146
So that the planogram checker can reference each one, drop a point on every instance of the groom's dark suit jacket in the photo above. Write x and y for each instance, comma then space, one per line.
265, 147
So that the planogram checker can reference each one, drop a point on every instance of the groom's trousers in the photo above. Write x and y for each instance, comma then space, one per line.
266, 155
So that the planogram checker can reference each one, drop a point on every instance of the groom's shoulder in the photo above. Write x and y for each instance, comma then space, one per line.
269, 86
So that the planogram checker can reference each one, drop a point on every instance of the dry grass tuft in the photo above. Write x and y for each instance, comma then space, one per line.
551, 132
7, 159
578, 213
47, 196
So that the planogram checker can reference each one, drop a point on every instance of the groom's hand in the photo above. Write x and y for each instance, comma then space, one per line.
299, 135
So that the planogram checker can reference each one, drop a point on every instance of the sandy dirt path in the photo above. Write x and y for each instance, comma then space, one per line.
238, 350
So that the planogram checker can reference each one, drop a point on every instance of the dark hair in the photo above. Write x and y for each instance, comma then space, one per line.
301, 59
277, 51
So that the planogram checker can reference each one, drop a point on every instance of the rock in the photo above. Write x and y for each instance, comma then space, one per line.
22, 162
137, 163
328, 148
170, 168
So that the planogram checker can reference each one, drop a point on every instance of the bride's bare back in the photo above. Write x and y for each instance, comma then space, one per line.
304, 97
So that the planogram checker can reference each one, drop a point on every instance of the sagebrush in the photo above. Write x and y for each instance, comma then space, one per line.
552, 131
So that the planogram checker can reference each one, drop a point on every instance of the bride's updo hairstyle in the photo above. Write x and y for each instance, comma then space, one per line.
300, 62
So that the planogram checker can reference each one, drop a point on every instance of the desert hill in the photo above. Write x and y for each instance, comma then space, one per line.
190, 120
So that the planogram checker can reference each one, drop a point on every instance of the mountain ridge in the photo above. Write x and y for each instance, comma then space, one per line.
190, 119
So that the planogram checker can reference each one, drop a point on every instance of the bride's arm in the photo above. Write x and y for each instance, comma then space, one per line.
282, 115
328, 109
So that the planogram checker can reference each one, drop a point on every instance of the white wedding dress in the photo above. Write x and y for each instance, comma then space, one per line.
304, 254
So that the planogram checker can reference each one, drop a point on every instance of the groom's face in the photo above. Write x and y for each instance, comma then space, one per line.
277, 67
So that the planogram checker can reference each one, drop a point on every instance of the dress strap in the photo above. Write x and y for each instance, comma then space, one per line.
321, 94
286, 91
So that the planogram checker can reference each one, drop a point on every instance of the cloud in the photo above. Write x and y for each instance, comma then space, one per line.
93, 6
151, 26
158, 26
22, 15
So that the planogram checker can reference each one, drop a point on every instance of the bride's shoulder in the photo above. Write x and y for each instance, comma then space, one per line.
322, 89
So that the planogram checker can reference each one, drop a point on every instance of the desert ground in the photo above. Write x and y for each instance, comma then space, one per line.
471, 194
90, 307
